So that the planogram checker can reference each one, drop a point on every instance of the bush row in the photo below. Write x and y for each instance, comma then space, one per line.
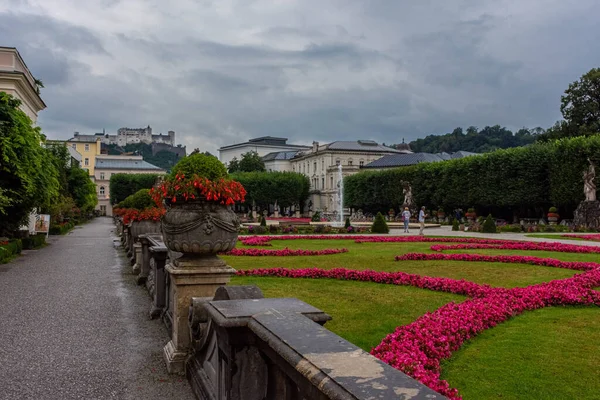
61, 229
519, 181
292, 229
265, 188
34, 242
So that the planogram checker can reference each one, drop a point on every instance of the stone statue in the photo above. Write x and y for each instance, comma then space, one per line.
407, 192
589, 186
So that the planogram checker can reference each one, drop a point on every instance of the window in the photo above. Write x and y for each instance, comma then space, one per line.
349, 162
308, 168
74, 146
322, 165
361, 163
102, 175
337, 162
102, 191
86, 162
315, 167
331, 187
87, 147
322, 183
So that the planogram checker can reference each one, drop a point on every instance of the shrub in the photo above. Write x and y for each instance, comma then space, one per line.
489, 225
259, 230
140, 200
379, 225
347, 224
316, 217
455, 225
516, 228
319, 229
10, 249
263, 221
34, 242
273, 229
202, 165
124, 185
553, 210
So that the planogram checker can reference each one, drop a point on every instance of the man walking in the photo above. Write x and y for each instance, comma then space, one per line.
421, 220
406, 218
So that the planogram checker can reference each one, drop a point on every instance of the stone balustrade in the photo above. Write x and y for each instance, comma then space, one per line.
234, 344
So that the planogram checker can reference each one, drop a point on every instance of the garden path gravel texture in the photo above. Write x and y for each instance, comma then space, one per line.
73, 324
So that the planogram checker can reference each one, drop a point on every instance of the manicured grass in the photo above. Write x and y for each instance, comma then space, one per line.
552, 353
553, 236
363, 312
380, 257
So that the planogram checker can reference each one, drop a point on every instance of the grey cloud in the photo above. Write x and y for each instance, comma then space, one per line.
380, 70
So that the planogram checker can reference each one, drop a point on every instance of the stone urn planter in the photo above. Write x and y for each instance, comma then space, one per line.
200, 228
138, 228
553, 216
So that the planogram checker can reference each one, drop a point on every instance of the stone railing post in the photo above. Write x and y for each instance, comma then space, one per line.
159, 253
145, 260
137, 257
190, 277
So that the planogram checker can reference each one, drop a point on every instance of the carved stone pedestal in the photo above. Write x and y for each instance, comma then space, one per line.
588, 215
190, 276
137, 255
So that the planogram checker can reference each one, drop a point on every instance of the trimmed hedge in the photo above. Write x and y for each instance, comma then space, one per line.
140, 200
10, 250
489, 225
124, 185
264, 188
379, 225
514, 181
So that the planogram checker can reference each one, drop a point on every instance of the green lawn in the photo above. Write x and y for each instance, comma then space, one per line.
380, 257
363, 312
552, 236
552, 353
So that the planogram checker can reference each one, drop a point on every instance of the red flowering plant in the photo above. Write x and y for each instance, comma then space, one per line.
198, 177
139, 207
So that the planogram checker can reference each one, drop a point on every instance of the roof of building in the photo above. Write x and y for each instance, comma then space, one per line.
266, 141
84, 138
74, 153
280, 155
403, 160
104, 163
359, 145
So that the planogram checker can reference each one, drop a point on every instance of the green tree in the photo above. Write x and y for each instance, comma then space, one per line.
379, 225
82, 189
28, 177
234, 165
251, 162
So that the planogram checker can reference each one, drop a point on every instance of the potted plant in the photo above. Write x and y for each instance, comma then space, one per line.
471, 214
553, 215
198, 196
441, 214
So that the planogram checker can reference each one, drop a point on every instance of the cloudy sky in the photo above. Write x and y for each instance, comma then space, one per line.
220, 72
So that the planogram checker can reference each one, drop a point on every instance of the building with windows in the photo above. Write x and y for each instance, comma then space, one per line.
89, 148
106, 166
17, 80
321, 165
262, 145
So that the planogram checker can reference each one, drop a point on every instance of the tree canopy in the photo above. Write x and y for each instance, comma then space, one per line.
28, 177
250, 162
485, 140
580, 107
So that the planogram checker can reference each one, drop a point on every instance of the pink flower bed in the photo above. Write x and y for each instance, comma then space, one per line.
418, 348
264, 240
284, 252
592, 237
546, 262
508, 245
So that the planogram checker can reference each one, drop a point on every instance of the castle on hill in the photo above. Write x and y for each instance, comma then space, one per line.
127, 136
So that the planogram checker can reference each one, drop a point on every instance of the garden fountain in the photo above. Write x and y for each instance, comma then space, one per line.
341, 195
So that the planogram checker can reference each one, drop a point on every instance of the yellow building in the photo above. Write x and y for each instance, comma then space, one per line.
89, 148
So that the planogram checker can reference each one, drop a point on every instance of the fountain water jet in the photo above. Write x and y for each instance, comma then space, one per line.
341, 195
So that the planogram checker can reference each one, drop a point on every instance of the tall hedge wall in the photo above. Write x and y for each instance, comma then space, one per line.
518, 181
264, 188
124, 185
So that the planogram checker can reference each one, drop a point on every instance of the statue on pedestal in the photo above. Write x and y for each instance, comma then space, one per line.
589, 186
408, 197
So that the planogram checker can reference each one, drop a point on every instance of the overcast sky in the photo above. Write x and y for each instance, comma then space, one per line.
220, 72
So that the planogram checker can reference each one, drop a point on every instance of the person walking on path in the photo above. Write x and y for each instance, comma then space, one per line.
406, 218
421, 220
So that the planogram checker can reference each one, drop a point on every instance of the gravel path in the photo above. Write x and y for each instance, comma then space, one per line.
73, 325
